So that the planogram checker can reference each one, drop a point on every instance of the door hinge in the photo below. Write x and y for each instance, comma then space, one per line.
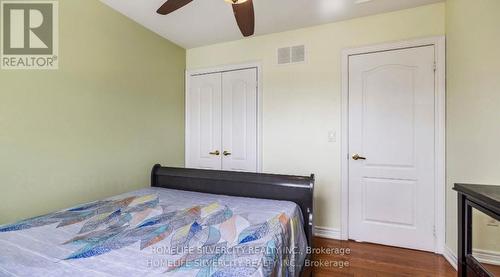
434, 230
435, 66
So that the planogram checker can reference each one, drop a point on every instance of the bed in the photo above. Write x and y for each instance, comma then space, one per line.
188, 223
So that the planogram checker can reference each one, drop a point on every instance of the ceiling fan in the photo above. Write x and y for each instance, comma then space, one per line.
243, 12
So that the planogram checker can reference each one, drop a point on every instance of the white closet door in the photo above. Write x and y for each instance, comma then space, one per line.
204, 122
239, 120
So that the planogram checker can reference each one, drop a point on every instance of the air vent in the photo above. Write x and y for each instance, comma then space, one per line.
284, 55
293, 54
298, 54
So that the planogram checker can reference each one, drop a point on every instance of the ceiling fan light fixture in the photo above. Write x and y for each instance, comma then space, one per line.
235, 2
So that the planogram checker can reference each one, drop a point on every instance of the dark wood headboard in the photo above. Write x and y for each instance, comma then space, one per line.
296, 189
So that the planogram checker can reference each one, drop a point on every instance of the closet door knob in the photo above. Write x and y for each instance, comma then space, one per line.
226, 153
215, 153
358, 157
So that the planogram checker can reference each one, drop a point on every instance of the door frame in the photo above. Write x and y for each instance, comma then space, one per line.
221, 69
439, 125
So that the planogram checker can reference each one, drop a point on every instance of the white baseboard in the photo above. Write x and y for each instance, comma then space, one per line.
450, 257
482, 256
327, 233
486, 256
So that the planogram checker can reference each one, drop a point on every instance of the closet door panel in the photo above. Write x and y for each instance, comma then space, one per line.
239, 120
204, 120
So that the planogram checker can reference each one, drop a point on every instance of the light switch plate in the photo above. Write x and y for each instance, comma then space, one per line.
332, 136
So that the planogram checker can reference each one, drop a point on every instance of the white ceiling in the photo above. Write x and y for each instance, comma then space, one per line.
204, 22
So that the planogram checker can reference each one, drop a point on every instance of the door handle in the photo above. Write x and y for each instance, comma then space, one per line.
358, 157
226, 153
215, 153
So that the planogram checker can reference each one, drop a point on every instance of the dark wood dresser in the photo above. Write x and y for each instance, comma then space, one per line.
485, 199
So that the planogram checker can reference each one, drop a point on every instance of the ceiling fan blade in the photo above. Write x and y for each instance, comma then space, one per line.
172, 5
245, 17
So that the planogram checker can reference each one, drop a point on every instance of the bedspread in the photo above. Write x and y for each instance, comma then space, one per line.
162, 232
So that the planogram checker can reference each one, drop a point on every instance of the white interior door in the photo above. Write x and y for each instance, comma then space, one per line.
204, 118
391, 124
239, 120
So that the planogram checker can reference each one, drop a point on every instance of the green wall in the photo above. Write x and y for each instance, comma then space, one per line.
95, 127
473, 99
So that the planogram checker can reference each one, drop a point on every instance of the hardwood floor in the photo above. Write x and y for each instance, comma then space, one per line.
371, 260
493, 269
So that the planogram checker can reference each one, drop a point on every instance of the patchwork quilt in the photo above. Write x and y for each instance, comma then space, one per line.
159, 232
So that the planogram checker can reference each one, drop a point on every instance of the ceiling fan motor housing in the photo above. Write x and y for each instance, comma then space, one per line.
236, 1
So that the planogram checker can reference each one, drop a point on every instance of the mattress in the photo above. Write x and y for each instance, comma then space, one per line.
159, 232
